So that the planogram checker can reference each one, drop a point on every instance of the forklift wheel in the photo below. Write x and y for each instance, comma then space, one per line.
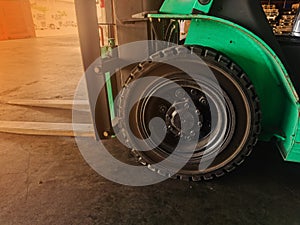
232, 112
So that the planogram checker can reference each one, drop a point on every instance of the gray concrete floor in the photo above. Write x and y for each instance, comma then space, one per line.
44, 180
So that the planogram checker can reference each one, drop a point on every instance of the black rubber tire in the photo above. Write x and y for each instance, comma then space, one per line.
242, 97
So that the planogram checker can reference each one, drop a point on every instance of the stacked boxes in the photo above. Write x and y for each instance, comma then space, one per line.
281, 23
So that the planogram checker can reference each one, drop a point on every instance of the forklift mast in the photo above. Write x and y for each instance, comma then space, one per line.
119, 15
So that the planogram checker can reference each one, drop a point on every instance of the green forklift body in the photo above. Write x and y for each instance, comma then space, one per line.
278, 98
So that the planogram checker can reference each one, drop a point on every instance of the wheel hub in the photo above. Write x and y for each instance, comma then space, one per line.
186, 121
192, 114
179, 120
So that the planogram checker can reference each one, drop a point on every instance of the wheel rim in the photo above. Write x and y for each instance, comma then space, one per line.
213, 111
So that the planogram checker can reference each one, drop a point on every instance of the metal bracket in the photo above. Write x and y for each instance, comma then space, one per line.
296, 27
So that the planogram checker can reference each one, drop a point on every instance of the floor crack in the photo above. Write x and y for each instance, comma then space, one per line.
27, 175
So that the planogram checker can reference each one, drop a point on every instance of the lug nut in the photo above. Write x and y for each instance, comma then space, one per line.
179, 93
192, 133
188, 138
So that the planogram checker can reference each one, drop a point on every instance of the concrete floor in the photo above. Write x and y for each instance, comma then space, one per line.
44, 180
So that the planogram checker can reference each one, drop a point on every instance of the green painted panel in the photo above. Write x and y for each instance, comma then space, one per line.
184, 6
110, 96
293, 154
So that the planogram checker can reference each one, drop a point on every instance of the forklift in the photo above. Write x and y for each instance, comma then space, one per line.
257, 72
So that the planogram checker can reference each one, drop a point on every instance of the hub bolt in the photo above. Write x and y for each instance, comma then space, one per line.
162, 109
204, 2
97, 69
193, 92
203, 100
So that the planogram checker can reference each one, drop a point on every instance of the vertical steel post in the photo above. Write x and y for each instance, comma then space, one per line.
88, 30
87, 21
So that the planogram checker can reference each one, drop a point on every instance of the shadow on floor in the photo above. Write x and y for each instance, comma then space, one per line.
264, 190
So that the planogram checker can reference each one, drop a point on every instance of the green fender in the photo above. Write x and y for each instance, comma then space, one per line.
184, 7
278, 98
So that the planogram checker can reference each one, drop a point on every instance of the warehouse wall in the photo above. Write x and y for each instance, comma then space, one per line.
15, 19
